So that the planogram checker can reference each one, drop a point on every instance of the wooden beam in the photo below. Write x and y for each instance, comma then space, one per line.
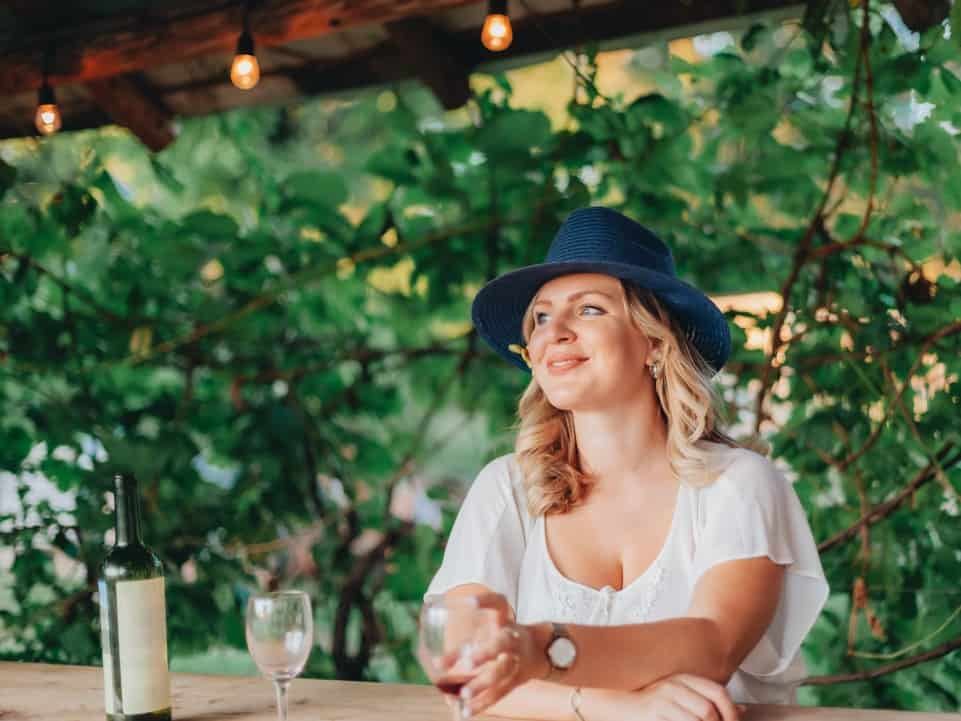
124, 44
544, 32
129, 102
533, 35
430, 54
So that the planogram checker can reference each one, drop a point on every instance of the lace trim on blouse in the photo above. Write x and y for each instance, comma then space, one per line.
575, 603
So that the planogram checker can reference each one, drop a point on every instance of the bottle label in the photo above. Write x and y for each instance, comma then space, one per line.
142, 647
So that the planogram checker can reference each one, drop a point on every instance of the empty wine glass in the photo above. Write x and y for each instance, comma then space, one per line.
450, 631
280, 633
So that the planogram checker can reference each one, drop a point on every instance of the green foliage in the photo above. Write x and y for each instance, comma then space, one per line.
267, 323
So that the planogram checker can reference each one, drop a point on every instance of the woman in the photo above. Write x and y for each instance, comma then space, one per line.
639, 560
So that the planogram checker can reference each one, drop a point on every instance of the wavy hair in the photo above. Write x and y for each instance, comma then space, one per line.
546, 446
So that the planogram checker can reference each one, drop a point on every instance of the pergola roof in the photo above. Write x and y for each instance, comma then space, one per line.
139, 63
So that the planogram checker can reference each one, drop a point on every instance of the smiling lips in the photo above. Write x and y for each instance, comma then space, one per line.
563, 363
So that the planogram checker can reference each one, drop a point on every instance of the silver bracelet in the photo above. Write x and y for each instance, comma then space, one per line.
576, 703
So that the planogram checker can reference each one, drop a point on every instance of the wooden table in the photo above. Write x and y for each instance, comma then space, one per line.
35, 692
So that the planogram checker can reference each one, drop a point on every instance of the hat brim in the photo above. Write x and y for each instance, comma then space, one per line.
499, 307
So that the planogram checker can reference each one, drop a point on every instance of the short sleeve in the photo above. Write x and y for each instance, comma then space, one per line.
751, 510
487, 542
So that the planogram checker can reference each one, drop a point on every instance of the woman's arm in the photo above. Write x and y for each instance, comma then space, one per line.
678, 698
733, 605
536, 700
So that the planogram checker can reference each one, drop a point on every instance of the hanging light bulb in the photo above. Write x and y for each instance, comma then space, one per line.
47, 118
245, 70
496, 35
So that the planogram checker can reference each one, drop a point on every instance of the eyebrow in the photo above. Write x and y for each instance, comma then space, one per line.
575, 296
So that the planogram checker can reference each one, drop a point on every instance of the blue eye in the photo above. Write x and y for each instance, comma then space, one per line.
539, 318
592, 310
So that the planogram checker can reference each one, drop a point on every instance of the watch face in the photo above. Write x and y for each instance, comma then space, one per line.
562, 652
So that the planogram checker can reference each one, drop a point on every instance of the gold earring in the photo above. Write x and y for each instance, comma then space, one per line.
522, 352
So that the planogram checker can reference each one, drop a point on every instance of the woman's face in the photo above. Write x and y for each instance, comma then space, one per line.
586, 353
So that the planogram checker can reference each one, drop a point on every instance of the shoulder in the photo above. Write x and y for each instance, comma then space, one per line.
744, 474
499, 482
502, 473
750, 500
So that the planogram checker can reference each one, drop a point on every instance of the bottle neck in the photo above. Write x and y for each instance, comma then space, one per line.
127, 501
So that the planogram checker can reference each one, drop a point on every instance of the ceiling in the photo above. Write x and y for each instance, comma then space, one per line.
141, 63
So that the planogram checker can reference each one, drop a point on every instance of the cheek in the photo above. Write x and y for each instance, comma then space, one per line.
536, 346
624, 353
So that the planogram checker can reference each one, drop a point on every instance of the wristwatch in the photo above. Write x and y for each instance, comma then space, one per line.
561, 651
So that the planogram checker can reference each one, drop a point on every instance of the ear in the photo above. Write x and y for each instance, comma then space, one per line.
655, 350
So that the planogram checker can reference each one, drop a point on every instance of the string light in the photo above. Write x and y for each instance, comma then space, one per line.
245, 70
496, 35
47, 117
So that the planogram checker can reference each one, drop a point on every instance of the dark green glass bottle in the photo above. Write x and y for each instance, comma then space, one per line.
133, 619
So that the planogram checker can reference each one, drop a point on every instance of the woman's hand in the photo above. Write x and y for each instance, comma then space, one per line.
676, 698
510, 656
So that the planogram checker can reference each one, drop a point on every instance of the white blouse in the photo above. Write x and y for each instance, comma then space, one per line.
749, 511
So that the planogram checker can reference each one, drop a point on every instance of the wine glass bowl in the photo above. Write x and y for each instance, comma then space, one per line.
450, 631
280, 631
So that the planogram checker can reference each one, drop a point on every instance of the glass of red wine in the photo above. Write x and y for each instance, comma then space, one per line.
450, 630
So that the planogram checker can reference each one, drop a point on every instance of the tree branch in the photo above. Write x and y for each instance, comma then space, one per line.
309, 275
802, 254
80, 293
938, 470
943, 650
872, 119
876, 433
352, 594
884, 509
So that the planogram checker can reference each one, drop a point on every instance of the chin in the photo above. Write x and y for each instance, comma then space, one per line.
568, 399
590, 397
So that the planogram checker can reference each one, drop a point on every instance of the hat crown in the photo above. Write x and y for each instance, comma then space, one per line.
602, 234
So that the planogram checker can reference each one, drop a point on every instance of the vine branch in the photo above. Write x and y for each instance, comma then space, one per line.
882, 510
943, 650
802, 254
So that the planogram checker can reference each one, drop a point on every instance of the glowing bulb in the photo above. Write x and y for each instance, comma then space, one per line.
496, 35
47, 118
245, 70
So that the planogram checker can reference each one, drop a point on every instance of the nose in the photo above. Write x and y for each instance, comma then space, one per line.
559, 331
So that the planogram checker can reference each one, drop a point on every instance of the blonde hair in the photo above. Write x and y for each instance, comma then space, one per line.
546, 446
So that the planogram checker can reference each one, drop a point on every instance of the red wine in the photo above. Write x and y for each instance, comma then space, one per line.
452, 686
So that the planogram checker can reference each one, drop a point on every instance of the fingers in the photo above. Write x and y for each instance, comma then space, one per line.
714, 692
671, 710
497, 603
464, 656
494, 681
506, 640
696, 706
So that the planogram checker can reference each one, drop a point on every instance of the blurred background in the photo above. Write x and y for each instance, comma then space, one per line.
258, 301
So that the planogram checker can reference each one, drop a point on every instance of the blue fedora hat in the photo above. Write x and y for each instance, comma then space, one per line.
601, 240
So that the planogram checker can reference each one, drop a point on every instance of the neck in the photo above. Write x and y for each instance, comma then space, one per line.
128, 510
620, 448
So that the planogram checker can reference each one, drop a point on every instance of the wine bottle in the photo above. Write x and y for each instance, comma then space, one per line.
133, 619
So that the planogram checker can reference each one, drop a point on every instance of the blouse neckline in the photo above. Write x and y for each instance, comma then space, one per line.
610, 590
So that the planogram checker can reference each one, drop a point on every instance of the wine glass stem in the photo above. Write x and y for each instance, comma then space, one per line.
281, 688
